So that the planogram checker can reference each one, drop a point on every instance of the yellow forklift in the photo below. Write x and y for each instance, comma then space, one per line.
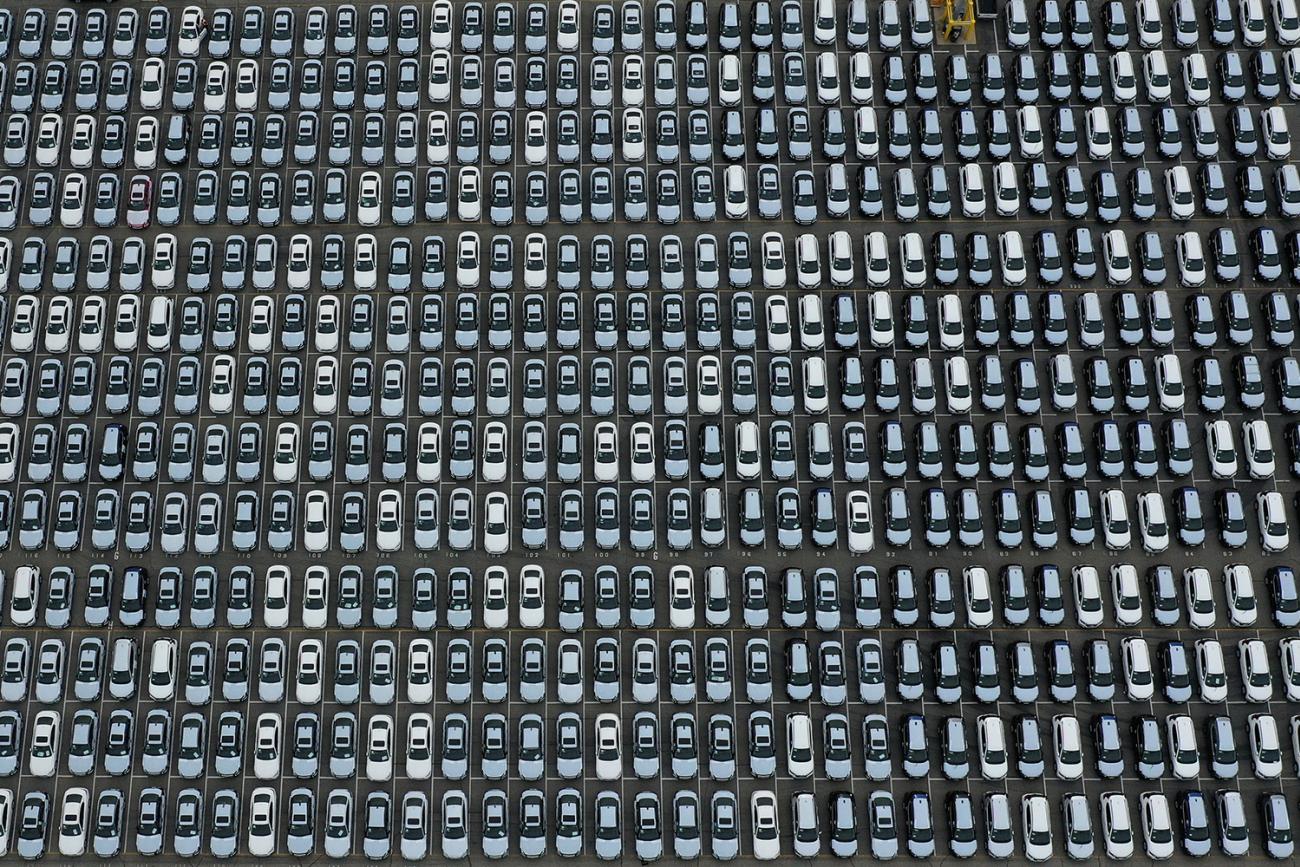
956, 21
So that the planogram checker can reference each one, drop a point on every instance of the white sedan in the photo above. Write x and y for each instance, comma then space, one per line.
861, 536
316, 522
609, 740
388, 525
763, 821
496, 524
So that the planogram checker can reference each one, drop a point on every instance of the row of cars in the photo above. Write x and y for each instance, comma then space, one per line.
1015, 597
380, 29
327, 323
238, 262
830, 79
389, 389
78, 201
178, 522
181, 453
827, 78
380, 829
455, 750
199, 674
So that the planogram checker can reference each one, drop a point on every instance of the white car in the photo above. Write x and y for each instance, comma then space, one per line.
816, 395
1117, 530
1275, 132
379, 749
609, 746
861, 537
419, 671
991, 738
247, 80
735, 186
311, 652
708, 385
1199, 590
370, 199
974, 201
81, 153
1211, 670
952, 328
1157, 825
23, 324
1123, 77
467, 260
73, 822
808, 268
419, 746
1088, 611
1274, 533
633, 88
1257, 440
469, 203
215, 85
440, 25
765, 829
1178, 192
1139, 681
1221, 449
315, 599
1116, 825
1265, 746
1036, 822
1239, 587
1288, 650
1153, 524
261, 822
1068, 746
496, 523
325, 393
861, 90
1286, 21
772, 248
681, 597
828, 78
49, 140
43, 752
532, 597
440, 76
911, 254
633, 135
1192, 270
643, 453
779, 327
566, 26
437, 143
1098, 132
266, 746
300, 273
866, 133
875, 253
388, 521
1196, 79
1256, 677
316, 522
1180, 734
729, 84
